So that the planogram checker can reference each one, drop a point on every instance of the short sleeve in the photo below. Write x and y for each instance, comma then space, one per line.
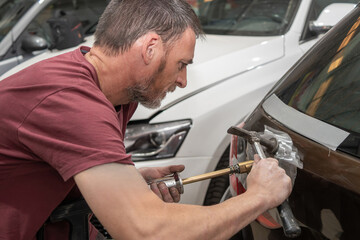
75, 129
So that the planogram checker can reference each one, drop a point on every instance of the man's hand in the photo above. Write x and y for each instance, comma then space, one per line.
269, 181
128, 209
160, 189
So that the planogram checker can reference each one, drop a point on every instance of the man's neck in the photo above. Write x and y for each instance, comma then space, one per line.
113, 75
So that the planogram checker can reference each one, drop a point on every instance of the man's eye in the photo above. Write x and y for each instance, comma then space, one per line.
182, 66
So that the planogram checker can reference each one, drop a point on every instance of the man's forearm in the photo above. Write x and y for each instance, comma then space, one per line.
128, 209
219, 221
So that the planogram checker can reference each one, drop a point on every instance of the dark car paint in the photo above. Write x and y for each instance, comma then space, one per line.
329, 180
326, 193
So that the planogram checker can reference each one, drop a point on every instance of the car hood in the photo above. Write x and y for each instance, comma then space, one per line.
218, 58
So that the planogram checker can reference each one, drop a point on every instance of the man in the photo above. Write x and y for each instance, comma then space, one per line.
63, 125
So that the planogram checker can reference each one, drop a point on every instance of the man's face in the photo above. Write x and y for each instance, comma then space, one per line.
170, 73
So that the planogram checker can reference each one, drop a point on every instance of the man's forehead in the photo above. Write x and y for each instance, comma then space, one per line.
186, 46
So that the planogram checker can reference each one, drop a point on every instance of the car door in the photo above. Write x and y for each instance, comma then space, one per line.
317, 104
321, 99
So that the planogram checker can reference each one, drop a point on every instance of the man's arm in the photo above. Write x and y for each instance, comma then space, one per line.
128, 209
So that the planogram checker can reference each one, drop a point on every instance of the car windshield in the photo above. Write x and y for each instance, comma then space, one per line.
245, 17
326, 84
10, 13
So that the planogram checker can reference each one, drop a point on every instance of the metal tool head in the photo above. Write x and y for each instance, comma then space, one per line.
173, 180
248, 135
253, 136
290, 226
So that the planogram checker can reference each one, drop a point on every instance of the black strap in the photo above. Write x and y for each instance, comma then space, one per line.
76, 214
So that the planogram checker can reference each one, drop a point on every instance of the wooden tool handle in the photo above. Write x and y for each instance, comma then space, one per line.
243, 167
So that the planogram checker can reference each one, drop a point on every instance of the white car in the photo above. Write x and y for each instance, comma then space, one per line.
249, 46
27, 27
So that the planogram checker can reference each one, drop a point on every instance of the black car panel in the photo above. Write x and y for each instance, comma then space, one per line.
317, 104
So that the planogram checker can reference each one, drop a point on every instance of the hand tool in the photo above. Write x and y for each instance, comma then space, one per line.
176, 181
290, 226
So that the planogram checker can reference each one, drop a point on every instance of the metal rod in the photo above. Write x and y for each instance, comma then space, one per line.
259, 150
243, 167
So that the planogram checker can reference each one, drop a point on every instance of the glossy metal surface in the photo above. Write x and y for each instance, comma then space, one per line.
320, 102
326, 194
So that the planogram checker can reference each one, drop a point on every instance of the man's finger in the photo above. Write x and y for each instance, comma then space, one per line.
154, 187
175, 194
164, 190
171, 169
177, 168
256, 158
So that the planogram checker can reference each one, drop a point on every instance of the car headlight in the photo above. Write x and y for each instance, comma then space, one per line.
155, 141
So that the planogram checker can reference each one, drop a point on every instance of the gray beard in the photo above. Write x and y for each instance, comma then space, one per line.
140, 95
141, 92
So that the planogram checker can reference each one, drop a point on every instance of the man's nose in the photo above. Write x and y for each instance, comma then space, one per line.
182, 79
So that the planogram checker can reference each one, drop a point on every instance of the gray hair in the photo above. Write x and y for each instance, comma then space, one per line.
125, 21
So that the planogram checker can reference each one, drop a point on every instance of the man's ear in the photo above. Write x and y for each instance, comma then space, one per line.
152, 45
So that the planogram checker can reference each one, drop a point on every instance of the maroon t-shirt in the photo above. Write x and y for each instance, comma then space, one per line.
55, 122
